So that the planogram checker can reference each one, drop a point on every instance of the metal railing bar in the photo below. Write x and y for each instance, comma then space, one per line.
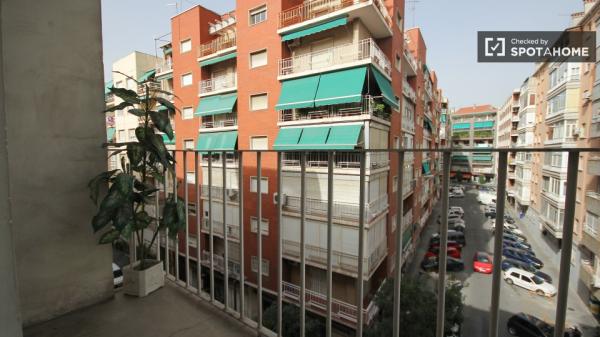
241, 223
329, 240
157, 217
259, 239
361, 247
225, 235
566, 244
302, 244
187, 222
443, 255
279, 248
498, 237
210, 232
177, 234
198, 231
399, 233
409, 150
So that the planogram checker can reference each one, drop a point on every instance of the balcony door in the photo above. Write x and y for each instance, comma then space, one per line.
321, 54
220, 80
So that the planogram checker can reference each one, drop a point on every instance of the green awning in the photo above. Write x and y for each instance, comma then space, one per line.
167, 76
386, 89
150, 73
484, 125
314, 137
216, 105
168, 141
315, 29
217, 141
168, 51
479, 157
341, 87
218, 59
287, 138
344, 137
461, 126
298, 93
107, 85
427, 124
426, 168
110, 134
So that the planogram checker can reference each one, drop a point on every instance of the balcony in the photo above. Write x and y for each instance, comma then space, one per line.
408, 91
489, 134
562, 142
594, 165
228, 121
141, 88
233, 230
592, 201
341, 211
413, 66
348, 55
367, 109
316, 161
219, 263
372, 13
231, 194
220, 45
218, 85
164, 67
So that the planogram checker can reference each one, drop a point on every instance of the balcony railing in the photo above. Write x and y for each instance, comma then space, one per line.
141, 88
231, 194
219, 121
316, 8
220, 83
350, 53
342, 211
408, 91
412, 61
369, 107
233, 230
163, 67
342, 160
366, 257
217, 45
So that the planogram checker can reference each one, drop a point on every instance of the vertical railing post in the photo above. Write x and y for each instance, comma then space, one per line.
176, 198
210, 230
198, 200
225, 236
399, 239
302, 244
279, 249
187, 222
259, 238
498, 236
566, 244
241, 223
329, 239
157, 217
443, 253
361, 247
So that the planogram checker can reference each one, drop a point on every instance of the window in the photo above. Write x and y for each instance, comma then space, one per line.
258, 59
394, 219
259, 102
264, 185
395, 187
187, 113
265, 265
396, 142
264, 225
185, 46
188, 144
592, 224
258, 15
192, 208
112, 165
131, 135
186, 79
121, 136
259, 143
190, 177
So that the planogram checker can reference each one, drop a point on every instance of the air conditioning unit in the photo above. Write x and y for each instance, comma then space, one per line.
294, 43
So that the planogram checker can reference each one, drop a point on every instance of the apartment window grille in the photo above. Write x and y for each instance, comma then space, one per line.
258, 59
264, 185
185, 46
265, 266
258, 15
264, 225
187, 113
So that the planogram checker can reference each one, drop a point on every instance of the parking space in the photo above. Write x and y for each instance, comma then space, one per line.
477, 291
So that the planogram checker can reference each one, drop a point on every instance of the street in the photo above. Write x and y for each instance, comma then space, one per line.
477, 290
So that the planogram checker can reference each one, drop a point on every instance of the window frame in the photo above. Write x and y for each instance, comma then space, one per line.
255, 95
259, 136
184, 75
255, 190
183, 109
259, 51
181, 43
255, 11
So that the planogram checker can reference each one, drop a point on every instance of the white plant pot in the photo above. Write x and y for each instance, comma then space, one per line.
142, 282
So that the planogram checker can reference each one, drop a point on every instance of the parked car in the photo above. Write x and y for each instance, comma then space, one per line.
514, 233
451, 218
529, 281
430, 264
455, 213
514, 238
482, 263
517, 245
525, 325
451, 244
456, 194
452, 236
510, 263
517, 255
117, 276
508, 226
490, 212
458, 226
509, 219
524, 251
457, 209
452, 252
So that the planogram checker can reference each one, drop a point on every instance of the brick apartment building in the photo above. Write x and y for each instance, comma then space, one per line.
301, 75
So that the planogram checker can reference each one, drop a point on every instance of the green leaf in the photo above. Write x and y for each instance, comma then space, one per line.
170, 106
103, 218
109, 237
160, 150
112, 201
135, 153
123, 183
141, 133
119, 106
142, 220
173, 216
126, 95
137, 112
162, 122
124, 216
95, 183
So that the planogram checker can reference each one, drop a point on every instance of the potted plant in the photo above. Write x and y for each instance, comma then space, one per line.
122, 213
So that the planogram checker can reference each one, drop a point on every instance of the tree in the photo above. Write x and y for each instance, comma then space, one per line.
315, 326
418, 309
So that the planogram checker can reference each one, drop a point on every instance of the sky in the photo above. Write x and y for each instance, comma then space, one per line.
448, 26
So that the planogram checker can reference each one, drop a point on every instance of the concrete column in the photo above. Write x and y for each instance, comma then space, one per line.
53, 98
10, 319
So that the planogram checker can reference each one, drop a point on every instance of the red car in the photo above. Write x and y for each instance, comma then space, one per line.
452, 244
452, 252
482, 263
